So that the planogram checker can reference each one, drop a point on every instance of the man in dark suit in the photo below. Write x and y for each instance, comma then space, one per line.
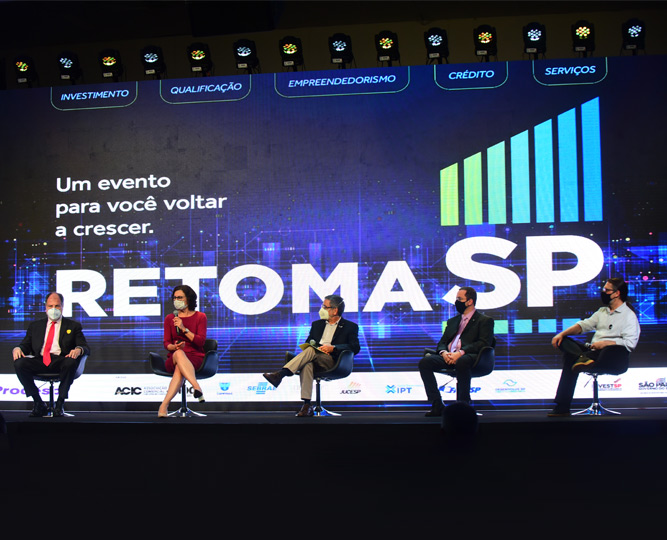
465, 336
331, 335
32, 356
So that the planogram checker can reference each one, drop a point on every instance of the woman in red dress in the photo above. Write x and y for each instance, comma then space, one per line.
184, 337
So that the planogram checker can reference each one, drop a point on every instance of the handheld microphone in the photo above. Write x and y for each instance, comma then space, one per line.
587, 345
313, 343
178, 330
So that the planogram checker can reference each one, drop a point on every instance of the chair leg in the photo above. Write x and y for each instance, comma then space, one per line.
319, 410
184, 411
51, 405
596, 409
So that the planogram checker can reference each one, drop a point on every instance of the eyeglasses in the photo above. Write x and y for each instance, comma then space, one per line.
609, 291
178, 297
328, 307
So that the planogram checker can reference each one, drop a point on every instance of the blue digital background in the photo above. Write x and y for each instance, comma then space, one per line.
324, 180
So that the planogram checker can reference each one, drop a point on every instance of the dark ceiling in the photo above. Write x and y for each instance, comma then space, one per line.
44, 23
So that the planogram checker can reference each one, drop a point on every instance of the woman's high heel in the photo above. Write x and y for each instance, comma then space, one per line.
199, 395
162, 414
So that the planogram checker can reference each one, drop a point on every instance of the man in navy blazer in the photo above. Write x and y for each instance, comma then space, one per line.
68, 344
331, 335
457, 348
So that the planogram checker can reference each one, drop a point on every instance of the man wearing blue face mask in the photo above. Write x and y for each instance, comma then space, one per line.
464, 337
616, 335
51, 345
329, 336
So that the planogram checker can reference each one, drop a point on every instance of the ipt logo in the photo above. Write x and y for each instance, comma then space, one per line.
564, 152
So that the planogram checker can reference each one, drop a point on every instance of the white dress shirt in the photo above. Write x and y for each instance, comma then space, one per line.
55, 347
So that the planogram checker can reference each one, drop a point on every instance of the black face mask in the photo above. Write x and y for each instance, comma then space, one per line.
605, 298
460, 306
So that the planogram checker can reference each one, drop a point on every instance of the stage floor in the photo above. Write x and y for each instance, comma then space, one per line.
377, 417
381, 472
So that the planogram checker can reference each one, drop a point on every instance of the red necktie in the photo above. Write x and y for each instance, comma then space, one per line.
49, 343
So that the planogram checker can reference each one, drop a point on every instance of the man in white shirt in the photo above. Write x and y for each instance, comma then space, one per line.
616, 335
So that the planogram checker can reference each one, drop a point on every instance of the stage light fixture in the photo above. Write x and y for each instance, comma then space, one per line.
111, 64
634, 34
485, 41
534, 39
386, 45
25, 70
153, 61
68, 64
291, 52
340, 49
583, 37
245, 54
199, 57
436, 43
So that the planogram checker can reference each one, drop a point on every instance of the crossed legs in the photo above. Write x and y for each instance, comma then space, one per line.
183, 369
304, 364
613, 360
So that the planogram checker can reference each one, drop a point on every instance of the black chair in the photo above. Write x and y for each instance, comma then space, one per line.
484, 364
207, 370
622, 360
52, 378
341, 369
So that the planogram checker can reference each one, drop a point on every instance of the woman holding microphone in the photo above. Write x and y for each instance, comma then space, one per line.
184, 337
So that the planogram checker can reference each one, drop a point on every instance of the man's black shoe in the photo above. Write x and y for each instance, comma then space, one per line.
435, 412
58, 410
39, 410
584, 364
557, 412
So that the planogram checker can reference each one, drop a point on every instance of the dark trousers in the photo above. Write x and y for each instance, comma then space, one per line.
613, 360
27, 367
431, 363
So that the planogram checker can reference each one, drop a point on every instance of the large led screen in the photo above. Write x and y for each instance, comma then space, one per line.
530, 181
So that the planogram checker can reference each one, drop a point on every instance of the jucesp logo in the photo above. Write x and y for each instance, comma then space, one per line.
353, 388
485, 173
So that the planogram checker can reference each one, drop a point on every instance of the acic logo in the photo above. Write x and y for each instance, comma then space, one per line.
128, 391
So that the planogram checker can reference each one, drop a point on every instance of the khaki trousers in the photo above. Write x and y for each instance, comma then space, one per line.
303, 363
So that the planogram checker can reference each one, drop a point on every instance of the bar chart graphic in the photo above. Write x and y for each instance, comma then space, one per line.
550, 173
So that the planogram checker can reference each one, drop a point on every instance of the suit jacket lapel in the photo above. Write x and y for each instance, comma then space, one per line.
41, 336
63, 326
339, 327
